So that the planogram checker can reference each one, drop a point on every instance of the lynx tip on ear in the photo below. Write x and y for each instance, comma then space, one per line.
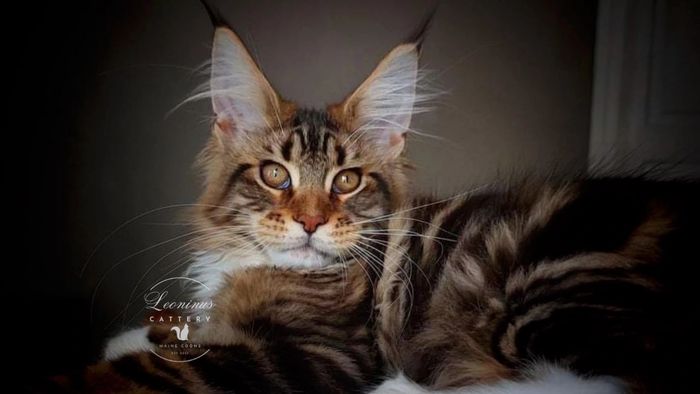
217, 20
418, 36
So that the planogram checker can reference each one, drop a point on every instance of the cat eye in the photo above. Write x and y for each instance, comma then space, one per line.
346, 181
275, 176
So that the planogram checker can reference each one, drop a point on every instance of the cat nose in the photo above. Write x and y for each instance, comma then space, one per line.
310, 222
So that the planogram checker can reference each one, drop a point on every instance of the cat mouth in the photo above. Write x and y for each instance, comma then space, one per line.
308, 249
305, 249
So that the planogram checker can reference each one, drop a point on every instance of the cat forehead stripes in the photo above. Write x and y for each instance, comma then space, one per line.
316, 135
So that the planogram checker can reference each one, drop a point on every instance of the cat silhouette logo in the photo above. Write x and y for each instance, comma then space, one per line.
181, 334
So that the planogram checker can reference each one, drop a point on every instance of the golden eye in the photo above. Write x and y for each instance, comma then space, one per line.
275, 176
346, 181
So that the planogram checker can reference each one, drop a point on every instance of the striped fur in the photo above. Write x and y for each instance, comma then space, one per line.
276, 331
241, 218
594, 275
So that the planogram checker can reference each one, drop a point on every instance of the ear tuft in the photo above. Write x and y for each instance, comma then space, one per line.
381, 108
421, 31
242, 98
215, 16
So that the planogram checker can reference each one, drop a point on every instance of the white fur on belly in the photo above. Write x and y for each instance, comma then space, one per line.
132, 341
545, 379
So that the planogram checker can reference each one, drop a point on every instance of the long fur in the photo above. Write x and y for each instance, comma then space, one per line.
529, 287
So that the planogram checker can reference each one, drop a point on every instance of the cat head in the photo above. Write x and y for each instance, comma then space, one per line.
302, 187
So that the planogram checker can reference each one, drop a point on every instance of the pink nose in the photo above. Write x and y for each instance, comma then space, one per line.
310, 222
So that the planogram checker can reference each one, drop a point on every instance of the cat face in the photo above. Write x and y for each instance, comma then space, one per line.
302, 187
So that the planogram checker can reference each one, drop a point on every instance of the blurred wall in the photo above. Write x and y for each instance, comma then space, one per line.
516, 78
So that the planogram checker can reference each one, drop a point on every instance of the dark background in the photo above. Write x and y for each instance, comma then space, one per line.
98, 145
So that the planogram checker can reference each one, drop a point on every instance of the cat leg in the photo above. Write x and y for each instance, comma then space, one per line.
543, 379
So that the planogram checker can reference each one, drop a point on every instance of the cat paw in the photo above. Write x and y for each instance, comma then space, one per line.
399, 385
131, 341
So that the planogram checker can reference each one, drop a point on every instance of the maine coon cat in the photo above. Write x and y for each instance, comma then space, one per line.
290, 186
595, 276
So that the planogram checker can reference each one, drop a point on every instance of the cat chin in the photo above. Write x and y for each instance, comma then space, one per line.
306, 257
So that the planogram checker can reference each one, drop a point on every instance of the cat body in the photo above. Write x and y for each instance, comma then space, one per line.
499, 308
594, 275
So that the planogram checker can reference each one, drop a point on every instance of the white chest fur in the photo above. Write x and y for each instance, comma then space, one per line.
212, 268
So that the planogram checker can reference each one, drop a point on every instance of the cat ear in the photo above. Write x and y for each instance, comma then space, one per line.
242, 98
380, 109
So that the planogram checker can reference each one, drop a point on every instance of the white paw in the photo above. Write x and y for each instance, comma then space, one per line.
399, 385
132, 341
